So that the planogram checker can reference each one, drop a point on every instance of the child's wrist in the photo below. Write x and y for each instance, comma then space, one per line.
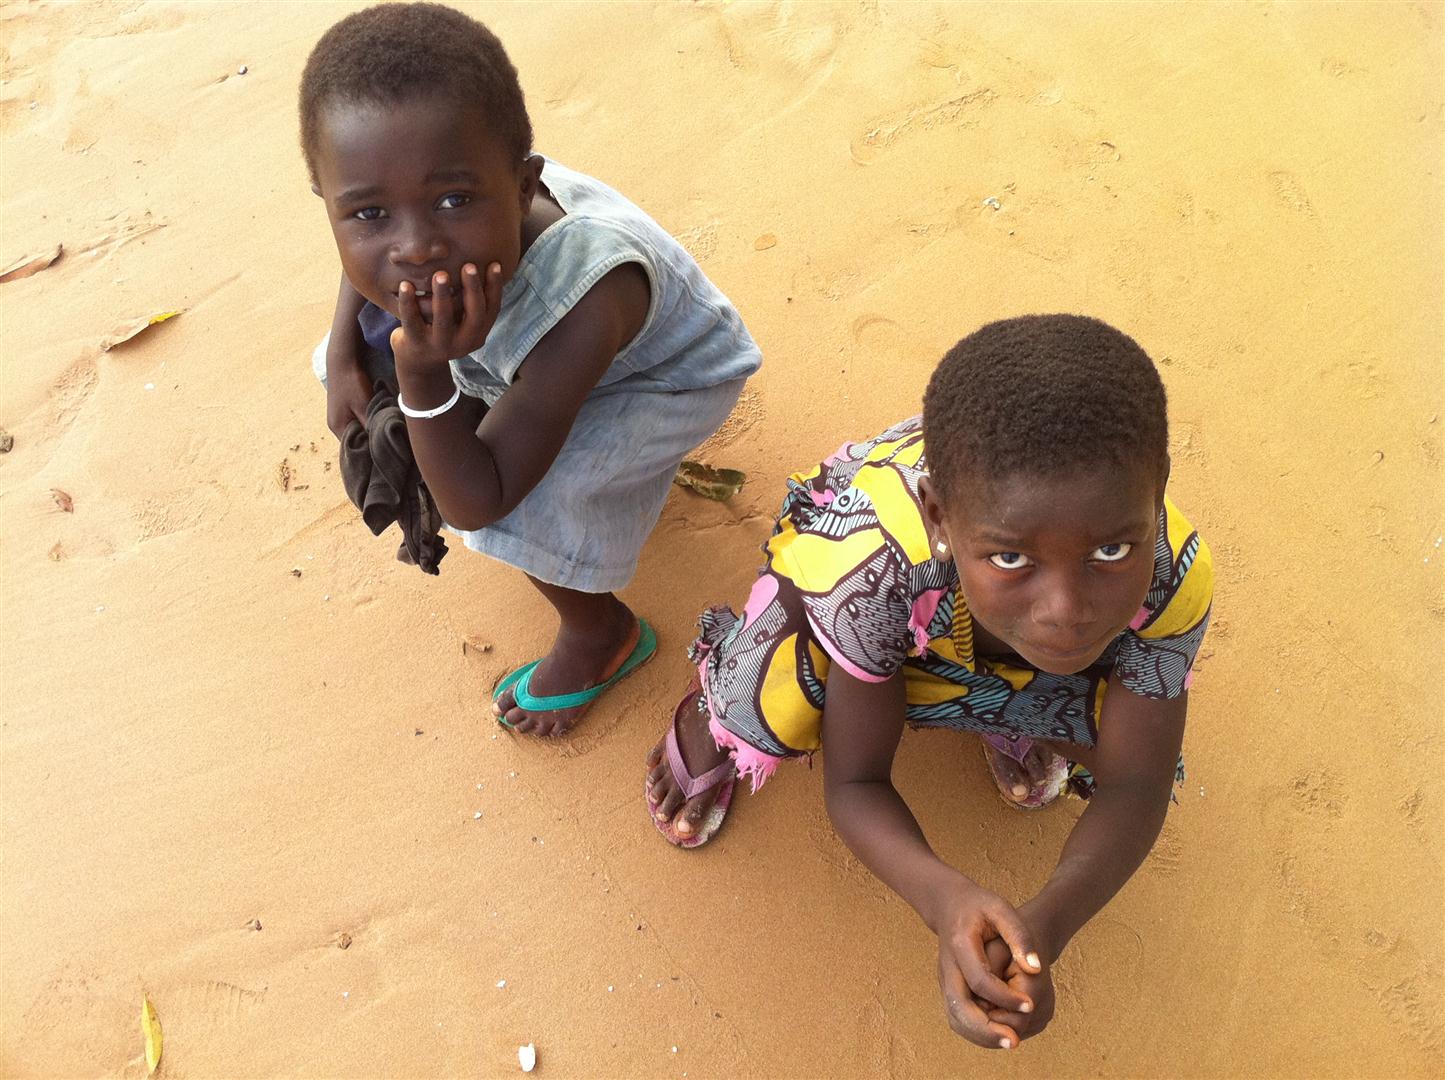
1050, 936
423, 389
946, 889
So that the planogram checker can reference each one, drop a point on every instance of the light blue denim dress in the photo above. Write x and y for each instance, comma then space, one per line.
584, 524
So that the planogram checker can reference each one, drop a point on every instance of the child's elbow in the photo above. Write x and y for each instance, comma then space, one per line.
468, 521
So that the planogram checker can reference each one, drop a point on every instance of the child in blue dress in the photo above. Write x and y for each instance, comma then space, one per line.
556, 353
1026, 579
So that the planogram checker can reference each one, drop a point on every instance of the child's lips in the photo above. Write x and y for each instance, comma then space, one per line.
1074, 654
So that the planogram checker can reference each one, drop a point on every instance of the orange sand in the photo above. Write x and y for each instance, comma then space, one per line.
192, 737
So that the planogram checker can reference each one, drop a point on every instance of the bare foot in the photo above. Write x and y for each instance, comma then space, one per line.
580, 658
699, 753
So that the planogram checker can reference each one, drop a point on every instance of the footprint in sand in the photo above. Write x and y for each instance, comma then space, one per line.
211, 1003
882, 134
699, 240
874, 331
889, 1053
1289, 193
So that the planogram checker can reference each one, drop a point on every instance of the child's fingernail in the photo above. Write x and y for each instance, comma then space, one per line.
471, 271
1033, 959
1005, 1044
441, 278
1020, 790
1026, 1007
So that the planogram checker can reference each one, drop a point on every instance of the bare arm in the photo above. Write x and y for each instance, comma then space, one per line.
1133, 766
348, 388
862, 723
479, 474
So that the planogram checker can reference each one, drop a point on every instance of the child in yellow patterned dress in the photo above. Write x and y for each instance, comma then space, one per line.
1027, 580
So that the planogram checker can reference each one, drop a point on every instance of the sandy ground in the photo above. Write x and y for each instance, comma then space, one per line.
194, 736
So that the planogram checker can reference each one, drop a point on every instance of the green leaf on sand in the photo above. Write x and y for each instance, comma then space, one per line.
718, 484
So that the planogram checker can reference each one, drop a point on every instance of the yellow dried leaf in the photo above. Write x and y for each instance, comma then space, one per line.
126, 331
26, 265
764, 242
150, 1026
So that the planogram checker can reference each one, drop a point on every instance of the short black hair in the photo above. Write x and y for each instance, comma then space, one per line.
1043, 395
391, 53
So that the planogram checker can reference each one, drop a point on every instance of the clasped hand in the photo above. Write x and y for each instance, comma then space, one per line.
996, 986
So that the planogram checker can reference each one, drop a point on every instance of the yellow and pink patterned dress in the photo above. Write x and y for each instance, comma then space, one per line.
850, 579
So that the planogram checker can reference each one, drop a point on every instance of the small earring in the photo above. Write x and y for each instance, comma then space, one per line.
941, 548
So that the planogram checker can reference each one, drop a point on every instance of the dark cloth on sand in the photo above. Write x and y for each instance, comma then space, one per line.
382, 480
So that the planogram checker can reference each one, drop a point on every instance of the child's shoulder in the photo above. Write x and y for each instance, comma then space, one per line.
1183, 585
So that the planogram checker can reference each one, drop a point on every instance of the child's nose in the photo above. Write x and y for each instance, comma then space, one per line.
418, 245
1066, 606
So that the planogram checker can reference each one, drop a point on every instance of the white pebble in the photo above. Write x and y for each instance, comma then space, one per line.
346, 993
501, 983
609, 989
527, 1057
241, 70
326, 597
993, 202
674, 1049
150, 386
99, 609
477, 816
479, 787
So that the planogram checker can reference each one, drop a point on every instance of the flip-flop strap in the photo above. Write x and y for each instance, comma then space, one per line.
512, 679
641, 652
692, 786
1015, 749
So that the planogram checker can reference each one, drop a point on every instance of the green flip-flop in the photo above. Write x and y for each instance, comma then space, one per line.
520, 681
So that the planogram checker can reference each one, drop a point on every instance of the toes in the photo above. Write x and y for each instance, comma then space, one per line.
1014, 776
1036, 763
657, 793
692, 817
518, 720
667, 808
541, 725
503, 703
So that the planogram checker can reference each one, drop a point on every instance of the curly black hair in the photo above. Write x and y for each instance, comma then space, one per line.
399, 52
1043, 395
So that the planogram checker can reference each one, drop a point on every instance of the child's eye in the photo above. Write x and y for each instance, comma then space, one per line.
1111, 552
1009, 560
369, 213
454, 201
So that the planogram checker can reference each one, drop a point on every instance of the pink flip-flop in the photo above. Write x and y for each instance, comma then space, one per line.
1041, 794
723, 776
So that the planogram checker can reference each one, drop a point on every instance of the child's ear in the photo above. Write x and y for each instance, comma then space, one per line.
531, 179
933, 522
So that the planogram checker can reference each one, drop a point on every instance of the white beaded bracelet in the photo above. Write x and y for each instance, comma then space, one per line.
427, 414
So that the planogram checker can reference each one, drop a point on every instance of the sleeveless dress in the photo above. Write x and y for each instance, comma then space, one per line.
584, 524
